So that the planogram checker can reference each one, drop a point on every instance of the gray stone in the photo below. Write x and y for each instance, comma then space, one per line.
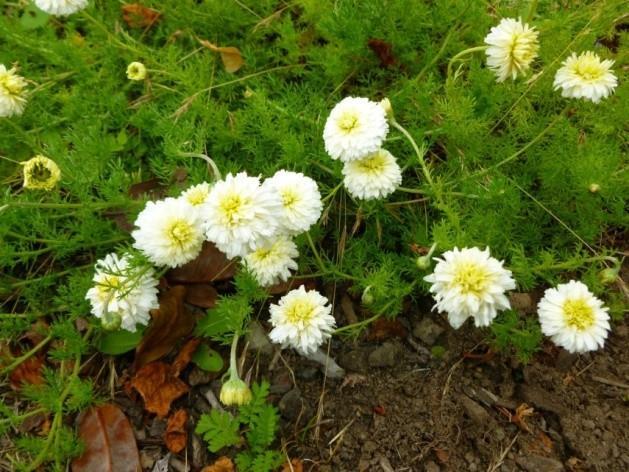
384, 356
427, 330
258, 339
291, 404
533, 463
541, 399
431, 467
476, 413
355, 361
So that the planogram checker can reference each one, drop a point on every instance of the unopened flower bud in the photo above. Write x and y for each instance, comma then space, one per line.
235, 392
594, 188
41, 173
136, 71
111, 321
423, 262
385, 103
367, 297
608, 276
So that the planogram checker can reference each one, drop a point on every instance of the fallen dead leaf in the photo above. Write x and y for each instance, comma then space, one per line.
222, 464
109, 442
201, 295
231, 56
139, 16
519, 418
184, 356
442, 455
170, 322
28, 372
284, 287
383, 329
384, 52
158, 387
211, 265
296, 465
176, 435
151, 188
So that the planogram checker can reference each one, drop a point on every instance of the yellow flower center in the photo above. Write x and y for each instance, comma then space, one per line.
300, 311
588, 69
578, 314
373, 165
109, 284
180, 232
231, 206
13, 85
471, 278
348, 122
197, 196
289, 197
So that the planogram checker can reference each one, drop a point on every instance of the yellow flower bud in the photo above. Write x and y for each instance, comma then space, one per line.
41, 173
136, 71
594, 188
385, 103
608, 276
235, 392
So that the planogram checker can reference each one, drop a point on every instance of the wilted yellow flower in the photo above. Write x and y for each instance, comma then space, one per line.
41, 173
136, 71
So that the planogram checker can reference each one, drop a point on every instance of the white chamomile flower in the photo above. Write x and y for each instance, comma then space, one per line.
586, 76
573, 317
273, 261
12, 99
374, 176
512, 47
199, 197
170, 232
61, 7
300, 198
122, 295
356, 127
302, 320
470, 283
241, 214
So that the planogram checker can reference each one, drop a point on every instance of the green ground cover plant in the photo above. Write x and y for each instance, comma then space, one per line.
539, 178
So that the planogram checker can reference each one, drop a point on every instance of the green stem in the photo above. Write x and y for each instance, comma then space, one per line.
233, 364
420, 155
316, 253
94, 205
19, 418
210, 162
437, 56
24, 357
458, 57
332, 193
532, 10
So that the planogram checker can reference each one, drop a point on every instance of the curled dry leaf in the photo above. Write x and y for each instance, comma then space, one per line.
384, 329
222, 464
28, 372
202, 295
231, 56
184, 356
158, 387
109, 442
176, 435
139, 16
170, 322
295, 465
211, 265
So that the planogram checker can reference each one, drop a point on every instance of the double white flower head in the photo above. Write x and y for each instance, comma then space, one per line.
354, 133
61, 7
585, 76
469, 283
12, 93
122, 294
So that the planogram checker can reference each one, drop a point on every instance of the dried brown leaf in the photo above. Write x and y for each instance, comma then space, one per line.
222, 464
383, 329
211, 265
28, 372
139, 16
158, 387
383, 50
109, 442
231, 56
176, 435
296, 465
184, 356
170, 322
201, 295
